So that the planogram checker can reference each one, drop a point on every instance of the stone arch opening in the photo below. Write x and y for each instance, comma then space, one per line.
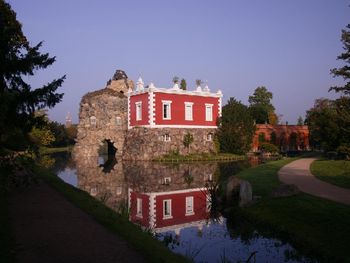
107, 155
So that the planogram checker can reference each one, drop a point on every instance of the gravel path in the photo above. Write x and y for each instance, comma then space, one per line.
48, 228
298, 173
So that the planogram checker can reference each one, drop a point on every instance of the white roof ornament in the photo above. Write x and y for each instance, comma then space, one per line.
139, 84
176, 86
219, 92
199, 88
151, 86
206, 88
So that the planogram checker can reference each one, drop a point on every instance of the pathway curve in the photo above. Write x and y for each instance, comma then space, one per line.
48, 228
298, 173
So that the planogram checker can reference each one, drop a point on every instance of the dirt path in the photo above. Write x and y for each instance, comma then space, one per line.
48, 228
298, 173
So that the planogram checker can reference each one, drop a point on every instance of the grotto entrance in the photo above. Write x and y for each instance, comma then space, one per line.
106, 155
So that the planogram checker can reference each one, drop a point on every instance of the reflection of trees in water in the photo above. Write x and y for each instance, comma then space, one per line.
57, 162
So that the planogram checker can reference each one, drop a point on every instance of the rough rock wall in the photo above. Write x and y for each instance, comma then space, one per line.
102, 116
146, 144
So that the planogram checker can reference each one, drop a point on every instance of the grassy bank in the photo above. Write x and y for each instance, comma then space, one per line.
6, 239
315, 226
47, 150
174, 157
331, 171
152, 249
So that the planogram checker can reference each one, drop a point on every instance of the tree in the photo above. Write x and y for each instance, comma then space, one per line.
344, 71
175, 79
188, 139
260, 106
323, 122
198, 82
183, 84
42, 136
300, 121
236, 128
18, 100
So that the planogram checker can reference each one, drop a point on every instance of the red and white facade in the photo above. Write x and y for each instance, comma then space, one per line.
154, 107
171, 210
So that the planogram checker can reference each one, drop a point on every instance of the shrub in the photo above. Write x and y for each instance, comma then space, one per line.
268, 147
344, 151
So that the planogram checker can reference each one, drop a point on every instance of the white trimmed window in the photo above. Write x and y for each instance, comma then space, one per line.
208, 112
166, 109
138, 110
167, 209
209, 137
93, 121
166, 137
139, 207
189, 205
188, 111
166, 180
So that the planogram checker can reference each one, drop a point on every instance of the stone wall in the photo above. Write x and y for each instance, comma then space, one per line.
102, 116
145, 144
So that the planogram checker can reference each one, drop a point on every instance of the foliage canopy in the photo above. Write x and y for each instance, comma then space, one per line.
236, 128
18, 100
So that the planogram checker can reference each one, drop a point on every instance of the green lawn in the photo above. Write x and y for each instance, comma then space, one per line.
334, 172
315, 226
47, 150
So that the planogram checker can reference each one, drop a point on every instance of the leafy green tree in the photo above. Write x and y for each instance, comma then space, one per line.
183, 84
18, 100
323, 122
300, 121
188, 139
344, 71
198, 82
236, 128
42, 136
260, 106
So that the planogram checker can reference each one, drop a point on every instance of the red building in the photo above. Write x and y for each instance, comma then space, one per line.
175, 108
171, 210
286, 137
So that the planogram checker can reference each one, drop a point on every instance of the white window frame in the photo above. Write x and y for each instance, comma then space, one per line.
209, 137
138, 106
166, 137
166, 180
189, 111
189, 205
167, 214
208, 112
166, 114
139, 207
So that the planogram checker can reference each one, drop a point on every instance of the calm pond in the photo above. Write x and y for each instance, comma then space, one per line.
174, 202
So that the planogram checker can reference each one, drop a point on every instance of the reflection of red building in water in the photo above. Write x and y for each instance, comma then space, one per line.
171, 210
286, 137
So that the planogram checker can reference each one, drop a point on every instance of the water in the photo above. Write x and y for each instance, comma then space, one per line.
176, 203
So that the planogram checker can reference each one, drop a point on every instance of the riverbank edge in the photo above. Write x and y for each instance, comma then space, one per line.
287, 217
7, 242
141, 241
200, 158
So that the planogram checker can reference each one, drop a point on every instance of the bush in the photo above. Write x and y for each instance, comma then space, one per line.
268, 147
344, 151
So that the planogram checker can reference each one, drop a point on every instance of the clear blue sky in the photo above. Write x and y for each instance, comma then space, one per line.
287, 46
